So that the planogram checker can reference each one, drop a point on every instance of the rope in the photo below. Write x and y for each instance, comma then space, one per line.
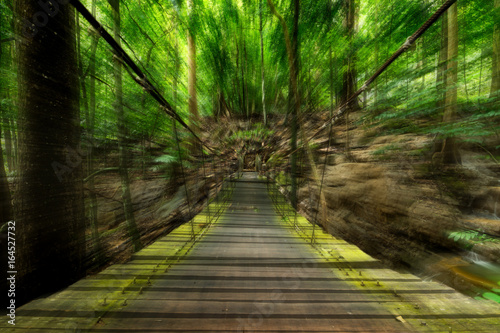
184, 179
321, 184
140, 77
205, 185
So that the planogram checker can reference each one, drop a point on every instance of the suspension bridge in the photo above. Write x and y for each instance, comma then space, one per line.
252, 266
249, 262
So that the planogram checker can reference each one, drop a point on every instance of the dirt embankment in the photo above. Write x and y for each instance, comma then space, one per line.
387, 195
160, 200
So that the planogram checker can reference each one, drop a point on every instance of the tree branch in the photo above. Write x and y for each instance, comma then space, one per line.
99, 172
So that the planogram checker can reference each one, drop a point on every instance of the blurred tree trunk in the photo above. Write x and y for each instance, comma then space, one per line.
296, 100
495, 61
422, 62
177, 69
292, 49
449, 149
442, 63
144, 134
92, 211
15, 146
5, 198
122, 137
349, 75
8, 143
49, 209
5, 121
263, 76
245, 81
193, 100
243, 85
377, 60
237, 76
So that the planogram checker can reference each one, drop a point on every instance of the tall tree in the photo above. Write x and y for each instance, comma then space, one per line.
495, 61
90, 124
49, 198
442, 63
449, 149
5, 197
191, 39
122, 136
263, 69
349, 75
4, 117
8, 143
294, 97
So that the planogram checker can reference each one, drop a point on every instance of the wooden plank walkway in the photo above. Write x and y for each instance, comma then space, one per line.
255, 271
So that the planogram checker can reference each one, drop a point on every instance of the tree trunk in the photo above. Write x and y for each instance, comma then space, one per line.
294, 73
247, 98
14, 143
5, 198
92, 211
15, 97
262, 66
144, 133
50, 225
8, 143
294, 97
442, 62
122, 137
332, 76
177, 68
376, 56
349, 75
495, 61
193, 101
4, 117
243, 90
449, 149
422, 60
237, 75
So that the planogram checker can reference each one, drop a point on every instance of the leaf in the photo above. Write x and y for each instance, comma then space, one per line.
167, 159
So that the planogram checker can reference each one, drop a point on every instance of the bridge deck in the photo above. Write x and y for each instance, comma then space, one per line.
252, 272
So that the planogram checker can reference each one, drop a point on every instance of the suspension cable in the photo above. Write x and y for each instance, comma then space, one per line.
191, 217
140, 77
320, 203
341, 110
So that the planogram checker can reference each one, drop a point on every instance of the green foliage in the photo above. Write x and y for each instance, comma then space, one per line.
385, 152
404, 99
166, 159
281, 178
170, 162
474, 236
258, 133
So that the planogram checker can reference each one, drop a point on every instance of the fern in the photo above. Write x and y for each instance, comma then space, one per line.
166, 159
472, 235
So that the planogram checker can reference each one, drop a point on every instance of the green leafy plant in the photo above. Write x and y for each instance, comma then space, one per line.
472, 235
